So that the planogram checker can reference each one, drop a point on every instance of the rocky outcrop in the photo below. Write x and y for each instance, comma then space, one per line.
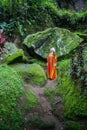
63, 40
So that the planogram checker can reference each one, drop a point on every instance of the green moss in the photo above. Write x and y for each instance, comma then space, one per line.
14, 56
75, 104
10, 93
33, 38
38, 61
63, 69
31, 100
51, 95
32, 73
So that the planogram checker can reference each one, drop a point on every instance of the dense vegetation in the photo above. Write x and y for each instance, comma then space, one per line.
11, 95
24, 17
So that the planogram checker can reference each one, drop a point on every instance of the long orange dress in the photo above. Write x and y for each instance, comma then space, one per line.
51, 66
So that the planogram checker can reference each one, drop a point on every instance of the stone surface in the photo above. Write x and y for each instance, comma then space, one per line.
63, 40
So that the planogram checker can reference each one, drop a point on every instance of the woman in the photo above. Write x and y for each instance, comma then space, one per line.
51, 64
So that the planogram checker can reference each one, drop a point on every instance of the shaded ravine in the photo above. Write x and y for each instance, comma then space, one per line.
45, 103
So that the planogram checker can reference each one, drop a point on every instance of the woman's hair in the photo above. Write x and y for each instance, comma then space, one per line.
53, 50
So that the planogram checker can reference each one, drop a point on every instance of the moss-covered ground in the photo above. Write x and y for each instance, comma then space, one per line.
31, 73
10, 93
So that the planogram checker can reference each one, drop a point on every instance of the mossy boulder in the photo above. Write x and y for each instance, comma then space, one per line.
63, 40
10, 93
32, 73
13, 54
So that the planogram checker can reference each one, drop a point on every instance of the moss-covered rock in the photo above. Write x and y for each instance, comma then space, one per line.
10, 93
32, 73
13, 54
63, 40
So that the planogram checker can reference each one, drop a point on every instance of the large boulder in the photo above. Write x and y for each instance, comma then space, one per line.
63, 40
32, 73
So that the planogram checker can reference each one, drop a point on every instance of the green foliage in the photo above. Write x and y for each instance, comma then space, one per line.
32, 15
18, 14
72, 125
64, 68
9, 27
21, 29
69, 19
10, 93
31, 99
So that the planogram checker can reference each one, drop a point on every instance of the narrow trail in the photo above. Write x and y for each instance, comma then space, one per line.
45, 104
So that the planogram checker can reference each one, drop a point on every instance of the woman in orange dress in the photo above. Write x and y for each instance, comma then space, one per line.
51, 64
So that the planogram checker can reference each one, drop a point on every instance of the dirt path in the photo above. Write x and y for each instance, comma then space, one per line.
45, 104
